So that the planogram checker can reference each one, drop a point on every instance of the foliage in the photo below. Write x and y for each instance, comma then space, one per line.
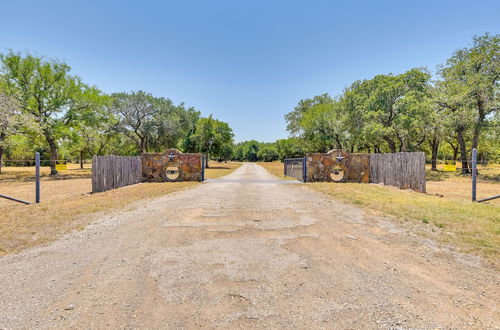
409, 112
45, 90
212, 136
469, 92
8, 122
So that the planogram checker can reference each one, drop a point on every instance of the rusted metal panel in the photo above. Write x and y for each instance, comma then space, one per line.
338, 166
172, 166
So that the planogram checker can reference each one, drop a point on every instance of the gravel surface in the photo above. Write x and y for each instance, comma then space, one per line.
246, 252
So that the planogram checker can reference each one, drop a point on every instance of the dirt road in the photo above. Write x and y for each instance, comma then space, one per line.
246, 251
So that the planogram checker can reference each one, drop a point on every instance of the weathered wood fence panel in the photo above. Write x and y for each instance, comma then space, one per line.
405, 170
111, 172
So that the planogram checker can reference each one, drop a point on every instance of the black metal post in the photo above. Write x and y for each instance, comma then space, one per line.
474, 173
202, 168
37, 177
304, 167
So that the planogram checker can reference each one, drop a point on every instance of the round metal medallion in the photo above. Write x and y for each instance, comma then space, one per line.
172, 172
337, 174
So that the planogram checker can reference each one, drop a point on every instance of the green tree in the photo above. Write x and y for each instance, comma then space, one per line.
268, 153
135, 112
294, 118
389, 108
93, 133
323, 127
9, 121
210, 136
45, 90
291, 148
470, 89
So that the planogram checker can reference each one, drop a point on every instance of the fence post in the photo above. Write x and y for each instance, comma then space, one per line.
474, 173
37, 177
304, 167
202, 167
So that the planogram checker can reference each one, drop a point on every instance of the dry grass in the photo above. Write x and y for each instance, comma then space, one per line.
276, 168
217, 170
459, 188
473, 227
69, 208
489, 173
18, 182
67, 203
444, 184
16, 174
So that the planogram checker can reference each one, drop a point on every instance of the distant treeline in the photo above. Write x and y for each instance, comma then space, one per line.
44, 108
445, 116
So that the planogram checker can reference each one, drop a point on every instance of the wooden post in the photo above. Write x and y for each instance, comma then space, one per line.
474, 173
37, 177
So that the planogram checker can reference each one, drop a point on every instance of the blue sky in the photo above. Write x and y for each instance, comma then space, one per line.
245, 62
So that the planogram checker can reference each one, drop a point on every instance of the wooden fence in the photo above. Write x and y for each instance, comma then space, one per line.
110, 172
405, 170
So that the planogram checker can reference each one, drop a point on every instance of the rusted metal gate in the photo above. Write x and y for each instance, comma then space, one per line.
295, 168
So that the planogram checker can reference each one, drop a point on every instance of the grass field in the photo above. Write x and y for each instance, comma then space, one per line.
67, 203
472, 227
216, 169
275, 168
443, 184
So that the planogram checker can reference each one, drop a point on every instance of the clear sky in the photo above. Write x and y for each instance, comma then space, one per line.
245, 62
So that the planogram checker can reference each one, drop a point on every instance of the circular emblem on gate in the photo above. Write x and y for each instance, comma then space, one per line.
172, 172
337, 174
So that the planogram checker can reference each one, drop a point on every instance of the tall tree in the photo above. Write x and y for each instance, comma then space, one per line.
135, 112
470, 89
390, 108
93, 132
9, 112
46, 90
293, 118
210, 136
323, 127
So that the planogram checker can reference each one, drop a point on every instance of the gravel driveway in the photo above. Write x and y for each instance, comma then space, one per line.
246, 251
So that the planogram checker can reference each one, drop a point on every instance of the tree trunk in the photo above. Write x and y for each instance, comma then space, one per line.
206, 160
53, 152
337, 140
463, 151
434, 147
455, 150
391, 143
81, 159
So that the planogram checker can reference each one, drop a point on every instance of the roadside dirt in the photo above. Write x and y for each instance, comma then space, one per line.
246, 251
